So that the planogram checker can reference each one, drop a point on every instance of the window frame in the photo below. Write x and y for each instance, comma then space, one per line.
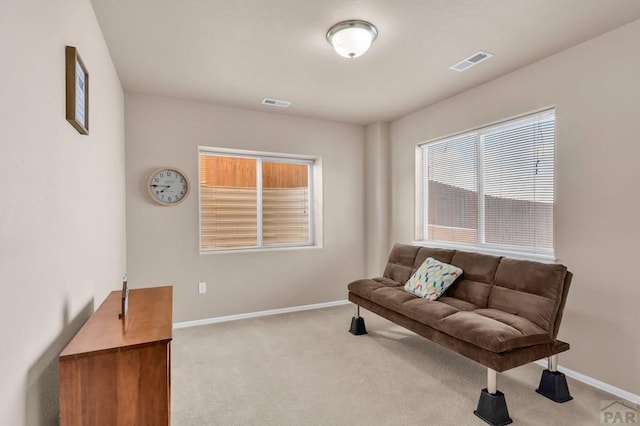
421, 194
314, 173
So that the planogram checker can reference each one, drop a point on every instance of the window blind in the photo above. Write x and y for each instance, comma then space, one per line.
285, 203
285, 215
493, 187
452, 190
228, 202
518, 184
253, 202
227, 217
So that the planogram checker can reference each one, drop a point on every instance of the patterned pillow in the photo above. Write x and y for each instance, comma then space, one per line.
432, 278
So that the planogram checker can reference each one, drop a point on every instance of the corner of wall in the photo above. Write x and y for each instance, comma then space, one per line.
377, 196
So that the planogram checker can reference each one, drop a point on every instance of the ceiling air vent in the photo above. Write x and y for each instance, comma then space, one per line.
472, 60
276, 103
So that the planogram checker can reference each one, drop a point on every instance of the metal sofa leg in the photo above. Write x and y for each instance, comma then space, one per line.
553, 384
357, 323
492, 406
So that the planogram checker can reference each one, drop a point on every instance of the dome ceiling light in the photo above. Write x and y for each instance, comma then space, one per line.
352, 38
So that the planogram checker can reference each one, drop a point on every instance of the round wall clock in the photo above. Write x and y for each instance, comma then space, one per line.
168, 186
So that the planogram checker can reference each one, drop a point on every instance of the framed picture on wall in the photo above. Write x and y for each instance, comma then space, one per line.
77, 91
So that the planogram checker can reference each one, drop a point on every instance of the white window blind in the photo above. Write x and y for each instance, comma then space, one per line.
285, 203
493, 187
253, 201
452, 189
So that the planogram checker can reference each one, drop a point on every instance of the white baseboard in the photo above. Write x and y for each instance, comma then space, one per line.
216, 320
598, 384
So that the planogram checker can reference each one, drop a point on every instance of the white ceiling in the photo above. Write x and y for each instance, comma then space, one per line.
237, 52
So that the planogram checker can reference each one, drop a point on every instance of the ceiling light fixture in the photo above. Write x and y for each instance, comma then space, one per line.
352, 38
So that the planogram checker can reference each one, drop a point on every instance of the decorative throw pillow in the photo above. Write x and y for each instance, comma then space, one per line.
432, 278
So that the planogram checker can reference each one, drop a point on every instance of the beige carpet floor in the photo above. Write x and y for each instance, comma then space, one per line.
304, 368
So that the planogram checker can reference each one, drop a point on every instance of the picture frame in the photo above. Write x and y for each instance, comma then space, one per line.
77, 91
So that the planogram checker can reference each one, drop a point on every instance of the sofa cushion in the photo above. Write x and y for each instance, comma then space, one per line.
479, 272
391, 297
493, 330
432, 278
400, 264
387, 282
459, 304
474, 292
365, 287
476, 266
528, 289
443, 255
427, 312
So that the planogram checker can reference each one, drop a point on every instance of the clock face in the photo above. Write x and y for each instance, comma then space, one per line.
168, 186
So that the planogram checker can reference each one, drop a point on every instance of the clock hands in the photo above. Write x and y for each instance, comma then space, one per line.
160, 186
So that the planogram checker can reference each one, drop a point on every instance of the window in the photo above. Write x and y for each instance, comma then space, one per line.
492, 188
254, 201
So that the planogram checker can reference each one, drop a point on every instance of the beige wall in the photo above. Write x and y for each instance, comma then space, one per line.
62, 209
162, 242
595, 88
377, 192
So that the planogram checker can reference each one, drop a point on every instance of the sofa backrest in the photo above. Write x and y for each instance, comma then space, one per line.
533, 290
536, 291
400, 264
443, 255
478, 272
405, 259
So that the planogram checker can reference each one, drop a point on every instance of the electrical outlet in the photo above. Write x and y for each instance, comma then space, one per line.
202, 287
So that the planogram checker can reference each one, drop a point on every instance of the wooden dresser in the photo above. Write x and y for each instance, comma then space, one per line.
118, 372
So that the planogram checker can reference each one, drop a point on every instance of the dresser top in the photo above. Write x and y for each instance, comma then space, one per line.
148, 321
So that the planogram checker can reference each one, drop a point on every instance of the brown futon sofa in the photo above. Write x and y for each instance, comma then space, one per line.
501, 313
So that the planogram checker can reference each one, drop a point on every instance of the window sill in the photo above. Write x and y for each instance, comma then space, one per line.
544, 258
260, 249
